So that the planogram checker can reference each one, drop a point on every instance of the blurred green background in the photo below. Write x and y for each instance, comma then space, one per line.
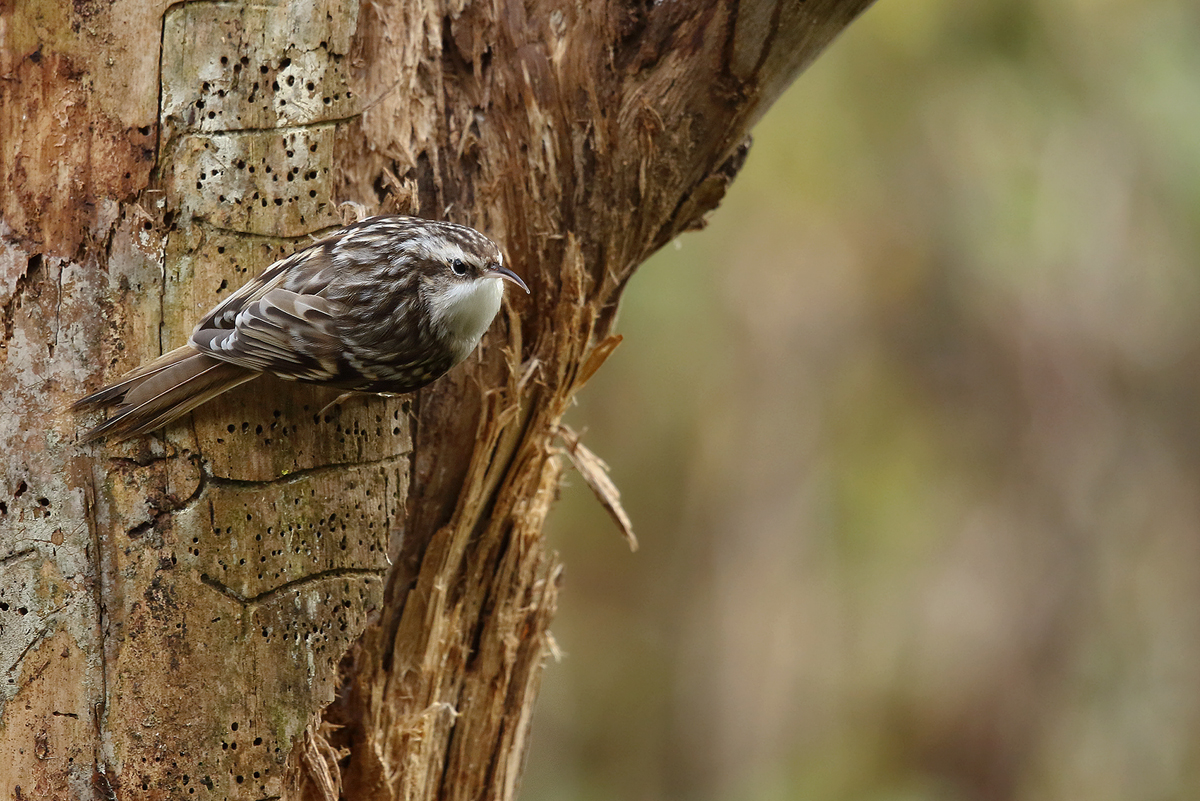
909, 437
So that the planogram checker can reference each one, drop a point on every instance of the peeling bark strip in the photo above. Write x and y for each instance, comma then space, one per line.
173, 611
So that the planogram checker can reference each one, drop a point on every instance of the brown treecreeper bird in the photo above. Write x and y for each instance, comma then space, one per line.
386, 305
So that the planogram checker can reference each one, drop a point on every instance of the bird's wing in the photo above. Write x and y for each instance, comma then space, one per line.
306, 272
283, 332
281, 321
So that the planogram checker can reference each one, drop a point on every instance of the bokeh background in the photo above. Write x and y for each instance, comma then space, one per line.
910, 438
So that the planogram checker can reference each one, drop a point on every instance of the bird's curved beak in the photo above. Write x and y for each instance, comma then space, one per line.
503, 272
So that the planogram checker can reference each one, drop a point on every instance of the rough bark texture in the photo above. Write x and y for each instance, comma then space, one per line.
175, 612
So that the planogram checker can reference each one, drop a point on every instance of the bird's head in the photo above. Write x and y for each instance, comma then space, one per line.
464, 279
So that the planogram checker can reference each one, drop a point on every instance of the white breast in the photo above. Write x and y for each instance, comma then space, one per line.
464, 311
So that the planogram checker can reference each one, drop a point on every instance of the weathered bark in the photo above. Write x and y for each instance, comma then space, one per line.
176, 611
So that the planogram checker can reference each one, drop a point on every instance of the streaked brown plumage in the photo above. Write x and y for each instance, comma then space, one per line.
388, 305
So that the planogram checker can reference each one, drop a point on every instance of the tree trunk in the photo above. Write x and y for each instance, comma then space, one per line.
178, 612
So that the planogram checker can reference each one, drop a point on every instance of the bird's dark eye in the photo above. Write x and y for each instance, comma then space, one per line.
459, 267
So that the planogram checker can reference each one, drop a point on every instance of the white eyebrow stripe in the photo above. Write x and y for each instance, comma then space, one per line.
438, 249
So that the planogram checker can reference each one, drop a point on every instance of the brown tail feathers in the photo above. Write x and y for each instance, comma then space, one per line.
154, 395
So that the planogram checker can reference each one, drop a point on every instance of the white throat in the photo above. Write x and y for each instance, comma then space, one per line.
464, 312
